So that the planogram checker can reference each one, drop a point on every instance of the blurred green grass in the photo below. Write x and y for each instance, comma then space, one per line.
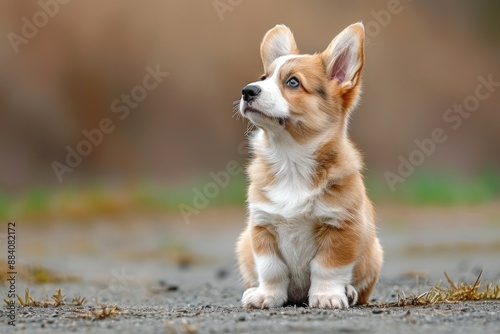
74, 201
438, 188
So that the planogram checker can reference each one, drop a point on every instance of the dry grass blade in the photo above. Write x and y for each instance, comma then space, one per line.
78, 301
28, 300
478, 280
100, 312
451, 283
58, 298
455, 293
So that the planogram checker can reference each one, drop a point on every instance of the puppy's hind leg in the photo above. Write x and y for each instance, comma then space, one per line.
245, 259
367, 272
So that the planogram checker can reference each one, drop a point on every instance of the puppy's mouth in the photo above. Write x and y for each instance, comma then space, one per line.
248, 109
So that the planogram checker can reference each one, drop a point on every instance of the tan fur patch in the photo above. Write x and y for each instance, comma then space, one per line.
261, 176
367, 269
245, 259
326, 158
347, 192
337, 247
256, 194
264, 240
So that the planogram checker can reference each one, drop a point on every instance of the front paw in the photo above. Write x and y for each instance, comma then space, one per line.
262, 298
329, 300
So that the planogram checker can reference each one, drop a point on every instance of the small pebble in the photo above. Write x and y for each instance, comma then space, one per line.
222, 273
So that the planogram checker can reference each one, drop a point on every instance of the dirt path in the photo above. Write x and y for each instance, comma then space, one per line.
169, 277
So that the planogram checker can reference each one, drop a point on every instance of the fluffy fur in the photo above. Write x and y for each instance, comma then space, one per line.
310, 236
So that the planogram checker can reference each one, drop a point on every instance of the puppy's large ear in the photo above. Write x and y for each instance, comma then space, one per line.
277, 42
344, 59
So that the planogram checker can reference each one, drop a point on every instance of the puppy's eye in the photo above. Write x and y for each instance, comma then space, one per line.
263, 77
293, 82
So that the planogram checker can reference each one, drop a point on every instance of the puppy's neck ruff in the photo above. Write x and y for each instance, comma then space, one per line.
286, 156
298, 160
293, 167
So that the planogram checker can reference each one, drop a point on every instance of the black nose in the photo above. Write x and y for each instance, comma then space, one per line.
250, 92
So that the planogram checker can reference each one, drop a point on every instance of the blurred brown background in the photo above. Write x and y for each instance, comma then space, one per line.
64, 80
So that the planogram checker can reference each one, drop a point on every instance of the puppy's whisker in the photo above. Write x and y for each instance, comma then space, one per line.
250, 128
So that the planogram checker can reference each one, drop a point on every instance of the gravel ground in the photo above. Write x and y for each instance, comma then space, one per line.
168, 277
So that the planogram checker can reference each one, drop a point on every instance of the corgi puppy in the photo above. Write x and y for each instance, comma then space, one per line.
310, 236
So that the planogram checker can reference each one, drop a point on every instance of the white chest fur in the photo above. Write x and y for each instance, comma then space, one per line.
297, 250
293, 165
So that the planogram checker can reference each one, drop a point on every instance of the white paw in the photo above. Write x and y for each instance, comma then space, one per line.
260, 298
329, 300
352, 295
